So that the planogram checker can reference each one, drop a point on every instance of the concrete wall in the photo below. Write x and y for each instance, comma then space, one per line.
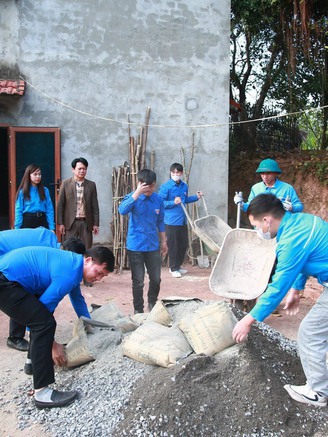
111, 59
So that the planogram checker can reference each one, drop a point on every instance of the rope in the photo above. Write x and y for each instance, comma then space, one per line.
163, 126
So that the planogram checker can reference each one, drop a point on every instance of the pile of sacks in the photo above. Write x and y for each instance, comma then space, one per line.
155, 338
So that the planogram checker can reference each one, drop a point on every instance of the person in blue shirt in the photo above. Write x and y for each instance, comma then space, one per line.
33, 280
146, 221
33, 206
174, 192
270, 172
16, 238
302, 251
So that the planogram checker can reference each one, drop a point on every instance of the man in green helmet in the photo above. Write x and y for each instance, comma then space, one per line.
270, 171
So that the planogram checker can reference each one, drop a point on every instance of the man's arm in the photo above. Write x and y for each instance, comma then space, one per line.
95, 206
78, 302
242, 328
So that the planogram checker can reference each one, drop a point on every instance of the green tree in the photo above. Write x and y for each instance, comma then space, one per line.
278, 62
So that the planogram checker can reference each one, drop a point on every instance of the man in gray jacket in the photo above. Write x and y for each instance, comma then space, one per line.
78, 210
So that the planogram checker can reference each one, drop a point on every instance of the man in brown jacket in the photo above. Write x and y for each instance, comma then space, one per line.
78, 210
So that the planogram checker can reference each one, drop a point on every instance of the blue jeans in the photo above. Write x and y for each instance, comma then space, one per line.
138, 262
313, 344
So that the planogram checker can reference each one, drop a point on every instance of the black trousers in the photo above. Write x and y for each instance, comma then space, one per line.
26, 309
177, 241
139, 262
32, 222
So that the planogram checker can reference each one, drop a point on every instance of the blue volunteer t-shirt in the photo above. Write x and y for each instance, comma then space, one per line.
49, 273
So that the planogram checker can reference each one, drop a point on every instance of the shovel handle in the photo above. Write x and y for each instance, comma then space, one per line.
238, 216
187, 215
238, 211
204, 203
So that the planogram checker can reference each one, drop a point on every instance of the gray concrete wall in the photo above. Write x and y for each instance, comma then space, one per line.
110, 59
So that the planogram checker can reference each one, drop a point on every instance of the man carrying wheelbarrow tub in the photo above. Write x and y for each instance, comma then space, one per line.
302, 251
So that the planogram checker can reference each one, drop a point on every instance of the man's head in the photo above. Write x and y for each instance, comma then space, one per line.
266, 212
98, 262
147, 177
79, 168
73, 244
176, 171
269, 171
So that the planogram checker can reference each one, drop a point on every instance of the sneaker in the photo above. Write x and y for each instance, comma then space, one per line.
176, 274
18, 343
183, 271
304, 394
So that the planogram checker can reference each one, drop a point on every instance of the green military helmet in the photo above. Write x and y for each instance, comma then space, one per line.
268, 165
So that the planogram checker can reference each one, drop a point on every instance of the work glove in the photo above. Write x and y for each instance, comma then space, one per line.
287, 205
238, 199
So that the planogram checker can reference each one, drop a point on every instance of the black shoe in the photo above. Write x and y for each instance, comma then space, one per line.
58, 399
18, 343
28, 368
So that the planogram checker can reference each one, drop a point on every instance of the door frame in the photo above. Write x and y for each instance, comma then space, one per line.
12, 130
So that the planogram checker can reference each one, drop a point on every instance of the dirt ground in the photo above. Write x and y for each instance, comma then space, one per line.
117, 288
239, 394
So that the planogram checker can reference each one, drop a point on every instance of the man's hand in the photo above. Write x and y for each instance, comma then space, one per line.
95, 230
199, 194
288, 206
242, 329
62, 229
177, 200
292, 305
142, 188
59, 354
238, 199
164, 248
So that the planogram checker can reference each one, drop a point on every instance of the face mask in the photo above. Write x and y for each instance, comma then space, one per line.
264, 235
175, 177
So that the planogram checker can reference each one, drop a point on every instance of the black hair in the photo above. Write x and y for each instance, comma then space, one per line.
26, 183
73, 244
146, 176
266, 204
176, 166
101, 255
76, 160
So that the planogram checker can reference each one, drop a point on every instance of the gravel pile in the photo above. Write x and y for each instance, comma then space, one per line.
239, 392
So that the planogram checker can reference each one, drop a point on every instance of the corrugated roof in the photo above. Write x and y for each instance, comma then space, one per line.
12, 87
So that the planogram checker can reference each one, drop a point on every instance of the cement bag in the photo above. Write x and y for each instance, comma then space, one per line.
139, 318
153, 343
110, 314
159, 314
209, 329
77, 350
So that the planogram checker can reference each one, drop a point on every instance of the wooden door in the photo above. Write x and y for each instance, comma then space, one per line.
33, 145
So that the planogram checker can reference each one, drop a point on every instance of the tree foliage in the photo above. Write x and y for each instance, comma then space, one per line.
279, 62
